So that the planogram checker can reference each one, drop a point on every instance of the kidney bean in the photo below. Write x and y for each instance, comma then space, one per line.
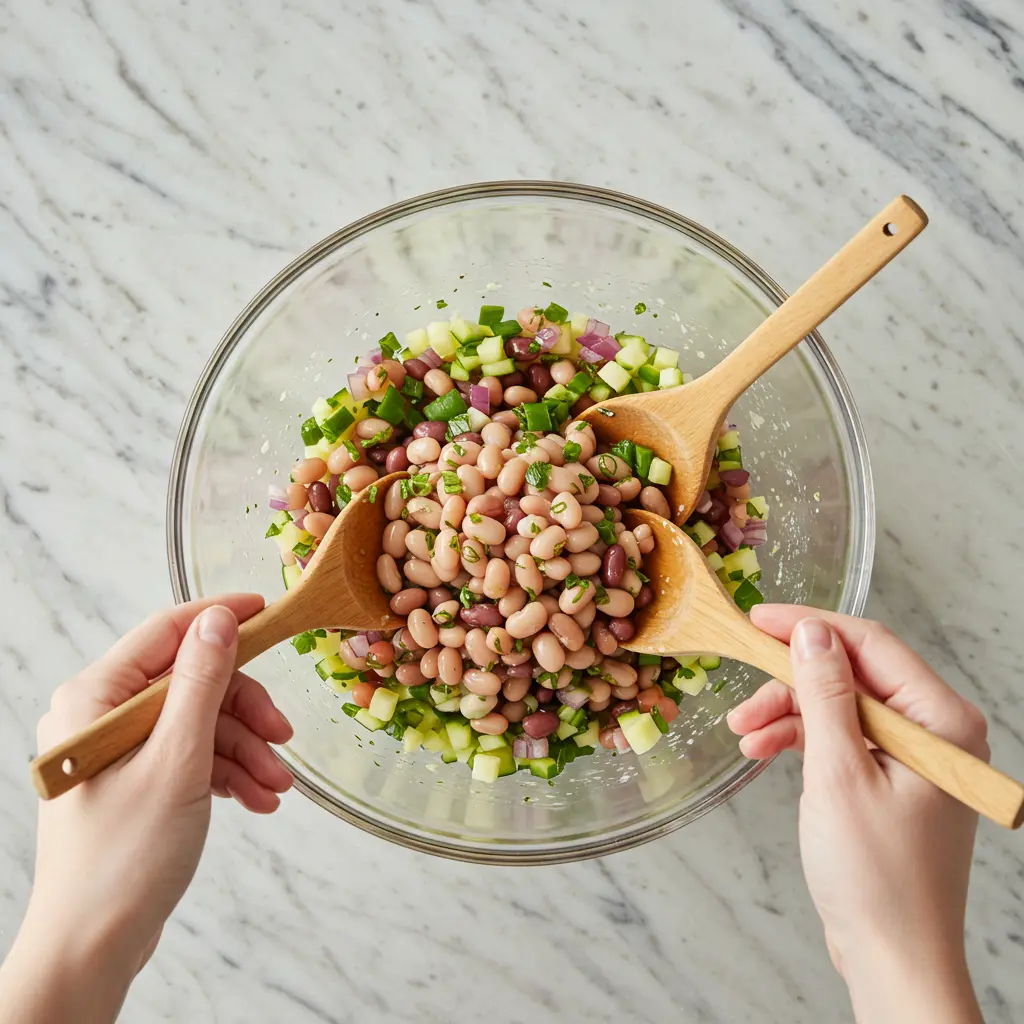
490, 462
622, 707
654, 501
645, 597
519, 349
516, 660
539, 377
644, 538
529, 620
296, 496
629, 488
409, 674
512, 380
496, 434
438, 381
549, 543
584, 536
394, 538
417, 546
574, 599
499, 641
362, 694
555, 569
360, 477
618, 672
469, 436
622, 629
452, 636
585, 563
608, 495
318, 523
484, 529
305, 471
397, 460
609, 467
514, 710
379, 453
320, 497
425, 512
478, 681
420, 573
518, 395
599, 689
380, 654
613, 566
424, 450
544, 696
431, 428
475, 706
516, 687
581, 659
484, 615
585, 616
449, 666
406, 600
489, 505
416, 368
540, 724
388, 575
631, 584
478, 651
528, 575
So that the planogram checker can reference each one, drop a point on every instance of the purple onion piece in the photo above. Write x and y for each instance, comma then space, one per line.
359, 644
731, 534
734, 477
598, 328
480, 398
574, 698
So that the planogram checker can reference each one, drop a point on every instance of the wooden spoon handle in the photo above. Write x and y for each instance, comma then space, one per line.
122, 729
852, 267
962, 775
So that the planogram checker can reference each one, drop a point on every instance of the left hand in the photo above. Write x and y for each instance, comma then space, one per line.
116, 853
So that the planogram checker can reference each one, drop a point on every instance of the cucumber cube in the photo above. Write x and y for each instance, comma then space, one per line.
559, 393
744, 562
291, 574
441, 339
709, 662
649, 375
491, 350
760, 507
614, 376
565, 730
459, 735
368, 721
670, 378
665, 358
436, 742
701, 532
417, 342
589, 737
563, 346
543, 767
465, 755
458, 372
498, 368
690, 680
599, 392
715, 561
465, 331
633, 355
486, 768
383, 704
640, 730
731, 439
491, 742
578, 322
661, 472
412, 739
328, 645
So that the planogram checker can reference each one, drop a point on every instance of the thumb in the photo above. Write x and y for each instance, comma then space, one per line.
833, 740
202, 670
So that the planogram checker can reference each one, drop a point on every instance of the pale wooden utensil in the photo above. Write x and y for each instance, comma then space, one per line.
338, 588
681, 424
693, 614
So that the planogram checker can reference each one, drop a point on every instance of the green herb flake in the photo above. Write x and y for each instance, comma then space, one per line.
353, 451
556, 314
640, 307
441, 304
452, 483
537, 474
571, 451
372, 493
273, 530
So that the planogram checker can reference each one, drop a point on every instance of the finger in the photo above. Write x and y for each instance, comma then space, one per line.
233, 779
237, 742
786, 733
891, 671
833, 741
250, 703
772, 701
184, 732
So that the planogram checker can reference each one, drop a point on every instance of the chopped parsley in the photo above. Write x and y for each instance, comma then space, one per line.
571, 451
537, 474
640, 307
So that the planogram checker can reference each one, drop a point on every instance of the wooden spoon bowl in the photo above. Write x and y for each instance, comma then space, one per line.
692, 613
338, 589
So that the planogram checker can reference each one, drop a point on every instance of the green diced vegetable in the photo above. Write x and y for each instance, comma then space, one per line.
507, 329
747, 595
665, 358
537, 474
640, 731
412, 388
311, 432
730, 439
614, 376
446, 406
571, 451
538, 417
389, 345
555, 313
337, 423
701, 532
733, 456
413, 417
498, 368
490, 316
580, 384
648, 659
543, 767
649, 375
670, 378
392, 406
660, 472
458, 425
709, 662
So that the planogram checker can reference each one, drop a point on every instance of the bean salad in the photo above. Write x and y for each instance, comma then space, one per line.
505, 550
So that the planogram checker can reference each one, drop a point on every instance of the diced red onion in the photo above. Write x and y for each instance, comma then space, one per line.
606, 348
303, 562
755, 533
374, 636
431, 358
731, 534
376, 356
520, 747
537, 747
357, 387
703, 503
480, 398
548, 337
463, 387
518, 671
620, 741
598, 328
734, 477
574, 698
718, 512
298, 517
359, 644
588, 355
278, 504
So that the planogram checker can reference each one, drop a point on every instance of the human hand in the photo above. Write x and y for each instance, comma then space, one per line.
116, 853
886, 854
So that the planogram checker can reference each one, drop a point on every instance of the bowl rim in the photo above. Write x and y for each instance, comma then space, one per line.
860, 549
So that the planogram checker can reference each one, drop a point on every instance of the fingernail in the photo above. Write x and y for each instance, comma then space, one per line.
811, 638
217, 626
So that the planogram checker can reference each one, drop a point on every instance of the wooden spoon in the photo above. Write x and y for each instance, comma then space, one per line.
339, 588
681, 424
693, 614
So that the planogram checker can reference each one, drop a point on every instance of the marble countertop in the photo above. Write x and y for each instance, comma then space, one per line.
157, 168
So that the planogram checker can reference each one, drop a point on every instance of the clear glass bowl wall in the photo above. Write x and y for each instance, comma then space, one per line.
600, 252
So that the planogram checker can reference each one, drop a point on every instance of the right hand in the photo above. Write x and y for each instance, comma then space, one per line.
887, 855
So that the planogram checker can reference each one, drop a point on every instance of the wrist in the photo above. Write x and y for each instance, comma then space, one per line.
925, 981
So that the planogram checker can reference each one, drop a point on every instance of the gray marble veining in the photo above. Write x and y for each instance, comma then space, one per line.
157, 165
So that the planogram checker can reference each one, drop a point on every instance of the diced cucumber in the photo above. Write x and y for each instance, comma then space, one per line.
670, 378
326, 646
614, 376
709, 662
291, 535
661, 472
498, 368
458, 372
467, 332
665, 358
649, 375
640, 730
451, 705
491, 742
280, 519
643, 386
559, 393
599, 392
460, 735
701, 532
332, 667
625, 339
448, 755
730, 439
590, 736
466, 754
322, 449
760, 507
467, 360
368, 721
565, 712
744, 562
688, 660
633, 356
727, 464
383, 703
441, 341
691, 679
543, 767
417, 342
477, 419
563, 346
412, 739
578, 322
291, 574
491, 350
715, 561
565, 730
486, 768
436, 742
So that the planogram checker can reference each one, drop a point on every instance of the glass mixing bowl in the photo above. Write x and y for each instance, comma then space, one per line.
514, 243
